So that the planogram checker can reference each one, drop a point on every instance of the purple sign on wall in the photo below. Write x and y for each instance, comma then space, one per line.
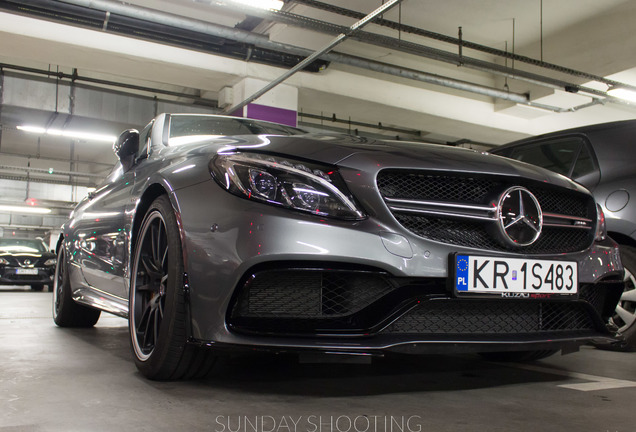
277, 115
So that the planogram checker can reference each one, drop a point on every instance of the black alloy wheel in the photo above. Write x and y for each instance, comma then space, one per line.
150, 279
66, 312
625, 315
157, 319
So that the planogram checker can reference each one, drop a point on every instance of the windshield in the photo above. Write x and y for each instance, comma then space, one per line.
186, 129
22, 246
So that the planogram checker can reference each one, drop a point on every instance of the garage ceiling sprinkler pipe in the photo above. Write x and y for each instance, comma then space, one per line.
444, 56
337, 40
216, 30
464, 43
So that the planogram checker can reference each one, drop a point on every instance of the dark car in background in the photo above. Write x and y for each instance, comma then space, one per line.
216, 234
26, 262
602, 158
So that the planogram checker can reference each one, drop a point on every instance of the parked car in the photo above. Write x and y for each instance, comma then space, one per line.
26, 262
220, 233
601, 158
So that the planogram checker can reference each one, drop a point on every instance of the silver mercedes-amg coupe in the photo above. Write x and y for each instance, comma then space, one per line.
220, 233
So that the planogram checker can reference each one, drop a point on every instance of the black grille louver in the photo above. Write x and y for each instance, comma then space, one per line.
472, 234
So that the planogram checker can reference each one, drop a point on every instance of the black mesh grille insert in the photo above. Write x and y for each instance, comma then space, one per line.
493, 317
475, 234
594, 295
572, 204
435, 187
313, 301
310, 294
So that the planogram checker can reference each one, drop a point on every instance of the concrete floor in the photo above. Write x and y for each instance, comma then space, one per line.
54, 379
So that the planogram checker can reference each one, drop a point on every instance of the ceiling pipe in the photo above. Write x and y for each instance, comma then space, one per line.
53, 172
263, 42
429, 78
29, 227
76, 77
107, 166
328, 47
463, 43
438, 54
23, 178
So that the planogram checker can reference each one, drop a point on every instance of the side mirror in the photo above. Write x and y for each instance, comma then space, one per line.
126, 147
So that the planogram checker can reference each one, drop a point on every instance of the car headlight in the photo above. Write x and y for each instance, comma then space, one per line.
307, 187
50, 262
601, 228
4, 261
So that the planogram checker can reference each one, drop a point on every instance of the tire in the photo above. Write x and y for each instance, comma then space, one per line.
157, 319
37, 287
66, 312
625, 315
518, 356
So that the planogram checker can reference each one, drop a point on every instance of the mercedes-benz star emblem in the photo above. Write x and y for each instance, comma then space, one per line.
519, 216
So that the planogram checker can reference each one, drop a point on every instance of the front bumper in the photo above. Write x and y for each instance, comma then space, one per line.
370, 312
413, 309
9, 275
327, 301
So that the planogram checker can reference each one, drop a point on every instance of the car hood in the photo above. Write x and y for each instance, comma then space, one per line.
369, 155
26, 259
350, 154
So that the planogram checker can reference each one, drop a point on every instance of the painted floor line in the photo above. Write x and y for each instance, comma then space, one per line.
596, 382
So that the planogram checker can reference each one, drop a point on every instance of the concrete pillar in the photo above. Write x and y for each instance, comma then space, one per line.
279, 105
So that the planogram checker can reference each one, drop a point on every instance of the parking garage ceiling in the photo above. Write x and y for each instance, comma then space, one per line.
454, 71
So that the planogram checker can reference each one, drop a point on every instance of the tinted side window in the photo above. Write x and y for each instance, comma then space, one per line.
558, 156
584, 164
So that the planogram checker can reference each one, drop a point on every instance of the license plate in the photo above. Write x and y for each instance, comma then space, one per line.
514, 277
26, 271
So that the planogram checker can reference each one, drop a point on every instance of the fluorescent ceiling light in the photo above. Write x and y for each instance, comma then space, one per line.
68, 133
623, 93
261, 4
25, 209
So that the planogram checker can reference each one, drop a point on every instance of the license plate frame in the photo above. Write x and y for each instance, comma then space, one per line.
544, 278
26, 271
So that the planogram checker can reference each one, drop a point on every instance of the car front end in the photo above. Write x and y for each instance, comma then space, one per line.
392, 247
26, 262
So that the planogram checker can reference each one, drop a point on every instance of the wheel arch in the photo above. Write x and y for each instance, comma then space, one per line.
622, 239
58, 245
152, 192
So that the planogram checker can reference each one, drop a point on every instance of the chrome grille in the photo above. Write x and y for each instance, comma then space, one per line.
460, 209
